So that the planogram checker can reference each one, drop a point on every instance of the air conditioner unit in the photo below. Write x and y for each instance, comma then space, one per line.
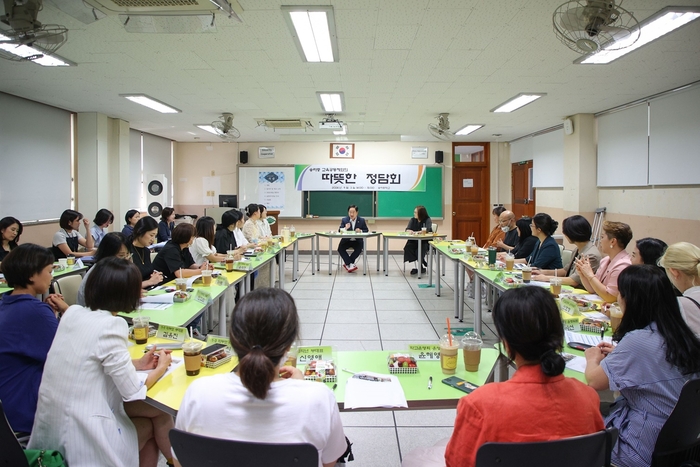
167, 7
285, 124
156, 194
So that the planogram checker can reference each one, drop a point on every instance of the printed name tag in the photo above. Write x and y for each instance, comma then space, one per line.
425, 351
203, 296
172, 332
306, 354
569, 307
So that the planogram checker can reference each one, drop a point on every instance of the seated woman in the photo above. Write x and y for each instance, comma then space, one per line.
28, 329
682, 264
175, 259
526, 241
656, 354
203, 248
497, 234
577, 231
166, 225
263, 401
613, 241
102, 220
420, 220
68, 240
648, 250
265, 229
225, 237
145, 232
114, 244
251, 229
546, 254
91, 405
131, 218
527, 321
10, 230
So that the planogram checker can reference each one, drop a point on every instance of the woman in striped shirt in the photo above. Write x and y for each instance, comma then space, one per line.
655, 356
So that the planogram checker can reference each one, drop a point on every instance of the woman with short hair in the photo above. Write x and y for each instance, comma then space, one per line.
528, 324
656, 354
613, 241
682, 264
263, 401
68, 240
102, 220
225, 238
10, 231
175, 259
91, 405
131, 217
28, 329
166, 225
546, 253
144, 236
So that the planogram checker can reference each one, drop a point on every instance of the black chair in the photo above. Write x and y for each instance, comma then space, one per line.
200, 451
11, 453
581, 451
679, 439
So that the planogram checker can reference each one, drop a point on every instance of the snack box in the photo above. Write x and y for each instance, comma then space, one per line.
181, 297
215, 355
402, 363
320, 370
594, 325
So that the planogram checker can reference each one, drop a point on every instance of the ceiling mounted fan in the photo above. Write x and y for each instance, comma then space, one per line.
224, 127
441, 129
26, 31
588, 26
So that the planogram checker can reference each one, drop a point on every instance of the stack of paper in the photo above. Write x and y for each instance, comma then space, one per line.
160, 298
590, 339
376, 391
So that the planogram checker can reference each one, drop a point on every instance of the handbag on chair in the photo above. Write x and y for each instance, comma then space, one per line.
44, 458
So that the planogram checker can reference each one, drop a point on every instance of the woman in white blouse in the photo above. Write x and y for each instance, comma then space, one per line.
203, 248
85, 407
251, 228
682, 264
262, 222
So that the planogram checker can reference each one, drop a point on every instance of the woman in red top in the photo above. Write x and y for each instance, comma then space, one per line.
537, 404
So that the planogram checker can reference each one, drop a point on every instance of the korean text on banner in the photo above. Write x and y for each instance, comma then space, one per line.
360, 178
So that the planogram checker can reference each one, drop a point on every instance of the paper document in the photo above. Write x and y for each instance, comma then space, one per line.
590, 297
157, 245
176, 362
365, 393
577, 364
590, 339
159, 298
154, 306
595, 315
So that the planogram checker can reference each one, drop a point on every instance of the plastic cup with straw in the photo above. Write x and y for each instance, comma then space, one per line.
449, 350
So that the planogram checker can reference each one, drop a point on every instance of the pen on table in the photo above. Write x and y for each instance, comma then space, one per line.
335, 386
430, 383
602, 332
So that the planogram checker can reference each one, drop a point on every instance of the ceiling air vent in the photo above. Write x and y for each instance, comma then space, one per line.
286, 124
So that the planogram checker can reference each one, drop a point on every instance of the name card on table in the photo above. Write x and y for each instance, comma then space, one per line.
425, 351
243, 265
203, 296
571, 323
213, 339
174, 333
570, 307
221, 281
306, 354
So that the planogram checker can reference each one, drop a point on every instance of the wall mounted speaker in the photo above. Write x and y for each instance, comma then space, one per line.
244, 157
156, 194
439, 155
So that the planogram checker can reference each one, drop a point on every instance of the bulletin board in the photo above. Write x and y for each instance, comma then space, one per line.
272, 186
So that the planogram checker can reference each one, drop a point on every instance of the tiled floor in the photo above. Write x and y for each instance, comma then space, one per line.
351, 311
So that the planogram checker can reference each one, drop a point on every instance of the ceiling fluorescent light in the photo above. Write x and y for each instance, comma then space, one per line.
33, 54
464, 131
208, 127
332, 102
518, 101
313, 30
652, 28
151, 103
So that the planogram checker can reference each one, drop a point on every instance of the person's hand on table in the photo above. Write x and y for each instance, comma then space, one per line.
155, 279
594, 355
503, 246
358, 230
583, 266
540, 278
152, 359
287, 372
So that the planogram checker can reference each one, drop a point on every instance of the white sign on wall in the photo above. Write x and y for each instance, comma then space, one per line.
419, 152
266, 152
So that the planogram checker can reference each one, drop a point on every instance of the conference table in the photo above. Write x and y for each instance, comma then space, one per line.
303, 236
168, 392
419, 238
354, 235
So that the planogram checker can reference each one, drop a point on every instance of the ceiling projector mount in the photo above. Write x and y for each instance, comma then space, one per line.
330, 123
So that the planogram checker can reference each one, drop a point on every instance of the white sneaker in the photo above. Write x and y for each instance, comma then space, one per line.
352, 267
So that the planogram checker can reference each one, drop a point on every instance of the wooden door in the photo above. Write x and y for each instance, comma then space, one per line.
523, 193
471, 209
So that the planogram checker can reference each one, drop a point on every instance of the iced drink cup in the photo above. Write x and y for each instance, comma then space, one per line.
70, 260
181, 284
292, 356
193, 356
527, 274
510, 261
471, 347
475, 249
615, 316
206, 277
141, 329
448, 355
555, 286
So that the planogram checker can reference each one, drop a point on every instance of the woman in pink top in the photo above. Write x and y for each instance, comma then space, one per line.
613, 241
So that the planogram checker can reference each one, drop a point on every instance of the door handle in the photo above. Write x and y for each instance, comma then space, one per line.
454, 213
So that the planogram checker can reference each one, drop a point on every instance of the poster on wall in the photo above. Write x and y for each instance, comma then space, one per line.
271, 189
266, 152
319, 177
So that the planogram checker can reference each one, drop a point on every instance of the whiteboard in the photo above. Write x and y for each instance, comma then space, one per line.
521, 150
623, 150
548, 160
273, 186
674, 138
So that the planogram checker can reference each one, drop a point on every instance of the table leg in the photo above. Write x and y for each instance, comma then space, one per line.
437, 278
378, 252
318, 254
223, 304
281, 263
314, 243
386, 256
477, 304
295, 261
444, 268
420, 262
502, 369
330, 254
462, 274
364, 256
431, 250
456, 287
246, 284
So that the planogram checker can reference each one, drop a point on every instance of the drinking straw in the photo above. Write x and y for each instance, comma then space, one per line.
180, 273
449, 331
190, 333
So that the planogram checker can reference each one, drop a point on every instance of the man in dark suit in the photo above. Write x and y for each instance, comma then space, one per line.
352, 222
